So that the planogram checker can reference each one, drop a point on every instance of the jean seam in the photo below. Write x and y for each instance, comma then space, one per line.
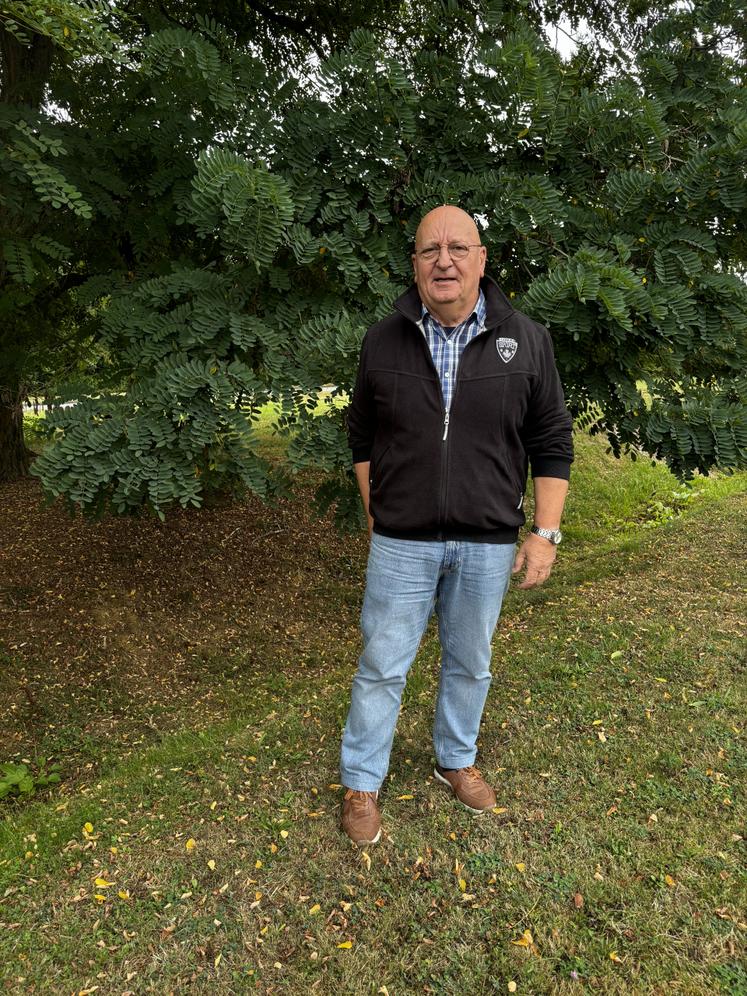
438, 746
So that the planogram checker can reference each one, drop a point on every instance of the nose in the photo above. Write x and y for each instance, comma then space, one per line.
444, 259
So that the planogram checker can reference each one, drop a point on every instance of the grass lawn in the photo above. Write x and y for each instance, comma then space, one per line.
192, 680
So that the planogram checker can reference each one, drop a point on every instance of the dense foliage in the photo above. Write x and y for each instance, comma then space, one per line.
229, 230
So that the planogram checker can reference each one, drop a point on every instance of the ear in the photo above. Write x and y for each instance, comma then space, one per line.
483, 260
413, 257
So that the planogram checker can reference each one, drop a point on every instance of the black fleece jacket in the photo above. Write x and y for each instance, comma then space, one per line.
461, 477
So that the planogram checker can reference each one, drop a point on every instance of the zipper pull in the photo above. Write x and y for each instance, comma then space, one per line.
446, 426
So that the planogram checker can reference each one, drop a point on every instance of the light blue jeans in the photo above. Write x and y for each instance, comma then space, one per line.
406, 579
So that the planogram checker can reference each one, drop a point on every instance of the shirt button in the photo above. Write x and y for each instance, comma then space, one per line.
446, 374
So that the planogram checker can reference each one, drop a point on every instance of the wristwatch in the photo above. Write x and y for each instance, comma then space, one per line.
554, 535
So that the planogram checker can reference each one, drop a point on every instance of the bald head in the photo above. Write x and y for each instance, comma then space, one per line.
448, 287
446, 217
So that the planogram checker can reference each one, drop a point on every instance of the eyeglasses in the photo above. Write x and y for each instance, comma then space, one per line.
457, 250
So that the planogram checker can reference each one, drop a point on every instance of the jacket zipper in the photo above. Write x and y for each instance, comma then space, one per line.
444, 490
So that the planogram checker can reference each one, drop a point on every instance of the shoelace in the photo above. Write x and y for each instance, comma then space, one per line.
360, 800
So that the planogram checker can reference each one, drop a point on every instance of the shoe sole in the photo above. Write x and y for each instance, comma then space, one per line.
362, 843
445, 781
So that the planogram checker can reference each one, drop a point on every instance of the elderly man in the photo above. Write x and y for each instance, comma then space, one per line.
456, 394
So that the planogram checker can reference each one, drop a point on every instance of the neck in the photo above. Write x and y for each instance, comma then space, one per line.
450, 315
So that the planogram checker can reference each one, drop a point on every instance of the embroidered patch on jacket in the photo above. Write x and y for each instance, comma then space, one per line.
506, 348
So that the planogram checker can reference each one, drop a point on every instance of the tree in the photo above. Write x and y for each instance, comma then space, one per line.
91, 100
613, 200
42, 209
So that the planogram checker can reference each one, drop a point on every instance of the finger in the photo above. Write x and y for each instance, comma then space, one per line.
519, 562
530, 579
535, 578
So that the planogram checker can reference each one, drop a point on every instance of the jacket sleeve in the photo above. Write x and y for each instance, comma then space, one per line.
548, 427
361, 414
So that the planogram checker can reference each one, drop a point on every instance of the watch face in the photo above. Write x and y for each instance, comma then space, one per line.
558, 536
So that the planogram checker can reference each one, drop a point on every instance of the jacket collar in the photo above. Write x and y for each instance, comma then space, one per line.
497, 304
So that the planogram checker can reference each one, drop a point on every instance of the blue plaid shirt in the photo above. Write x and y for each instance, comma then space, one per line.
447, 348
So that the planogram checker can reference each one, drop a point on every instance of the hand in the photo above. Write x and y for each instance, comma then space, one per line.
537, 555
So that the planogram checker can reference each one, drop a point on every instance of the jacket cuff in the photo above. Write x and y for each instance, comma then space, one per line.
362, 454
551, 467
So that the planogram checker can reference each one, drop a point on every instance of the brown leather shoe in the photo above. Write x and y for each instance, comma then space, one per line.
469, 787
361, 819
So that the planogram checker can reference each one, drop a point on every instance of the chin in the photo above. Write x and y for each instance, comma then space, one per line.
446, 293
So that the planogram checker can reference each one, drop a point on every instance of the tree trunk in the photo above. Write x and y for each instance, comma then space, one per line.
24, 69
15, 457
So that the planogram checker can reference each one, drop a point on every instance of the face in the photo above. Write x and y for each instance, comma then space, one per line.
447, 286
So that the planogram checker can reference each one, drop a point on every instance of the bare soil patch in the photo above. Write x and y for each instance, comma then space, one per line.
125, 626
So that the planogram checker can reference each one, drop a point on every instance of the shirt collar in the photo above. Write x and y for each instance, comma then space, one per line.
477, 312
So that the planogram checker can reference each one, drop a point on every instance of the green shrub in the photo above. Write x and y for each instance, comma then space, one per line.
19, 781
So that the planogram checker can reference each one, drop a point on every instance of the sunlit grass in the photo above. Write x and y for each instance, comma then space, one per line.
613, 733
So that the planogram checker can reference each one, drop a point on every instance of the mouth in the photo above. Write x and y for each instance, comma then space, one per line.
444, 281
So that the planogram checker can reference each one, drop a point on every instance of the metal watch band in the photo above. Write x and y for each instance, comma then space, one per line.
554, 535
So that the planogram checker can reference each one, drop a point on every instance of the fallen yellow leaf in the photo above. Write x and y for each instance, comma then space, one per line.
191, 844
273, 848
525, 941
520, 866
403, 798
284, 834
366, 859
88, 827
462, 885
316, 908
101, 883
257, 864
211, 865
123, 894
613, 954
99, 898
499, 809
511, 986
669, 880
345, 944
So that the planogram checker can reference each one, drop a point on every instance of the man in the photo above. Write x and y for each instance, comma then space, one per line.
456, 394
